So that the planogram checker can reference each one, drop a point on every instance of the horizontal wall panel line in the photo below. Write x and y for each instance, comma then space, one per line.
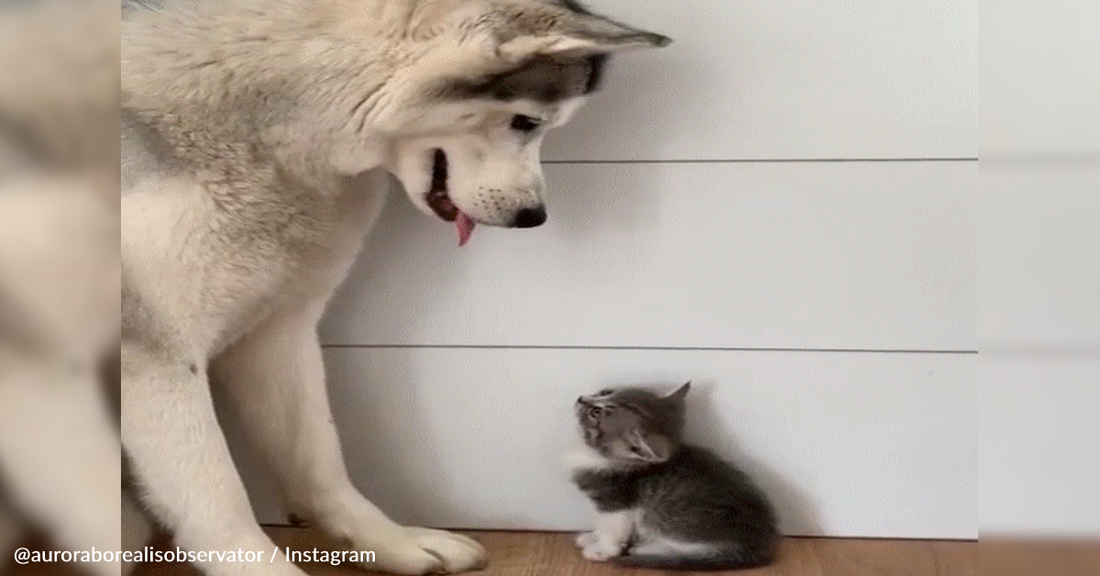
1025, 159
846, 445
844, 256
661, 348
759, 160
1038, 352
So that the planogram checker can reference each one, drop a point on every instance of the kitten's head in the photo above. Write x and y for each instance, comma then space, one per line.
633, 425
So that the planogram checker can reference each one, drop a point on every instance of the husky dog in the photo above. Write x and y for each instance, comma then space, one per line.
259, 138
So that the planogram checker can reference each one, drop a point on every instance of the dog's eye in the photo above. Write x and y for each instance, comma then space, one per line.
605, 392
524, 123
595, 411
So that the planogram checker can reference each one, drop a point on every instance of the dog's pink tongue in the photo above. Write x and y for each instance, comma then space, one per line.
465, 227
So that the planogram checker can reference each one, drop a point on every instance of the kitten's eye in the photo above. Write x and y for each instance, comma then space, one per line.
595, 411
524, 123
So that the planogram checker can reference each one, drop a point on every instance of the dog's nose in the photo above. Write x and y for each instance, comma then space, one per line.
529, 217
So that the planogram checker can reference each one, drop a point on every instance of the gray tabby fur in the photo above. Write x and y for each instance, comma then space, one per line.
663, 503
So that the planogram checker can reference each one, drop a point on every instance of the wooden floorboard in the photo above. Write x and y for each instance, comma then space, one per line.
553, 554
1027, 558
956, 558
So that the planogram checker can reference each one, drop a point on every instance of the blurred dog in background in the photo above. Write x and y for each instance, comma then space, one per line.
59, 274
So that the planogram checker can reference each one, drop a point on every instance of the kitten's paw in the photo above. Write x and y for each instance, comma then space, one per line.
423, 551
600, 550
585, 539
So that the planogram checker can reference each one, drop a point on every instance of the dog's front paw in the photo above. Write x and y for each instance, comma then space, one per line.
600, 550
424, 551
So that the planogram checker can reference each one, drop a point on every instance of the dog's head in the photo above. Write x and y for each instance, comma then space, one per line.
475, 87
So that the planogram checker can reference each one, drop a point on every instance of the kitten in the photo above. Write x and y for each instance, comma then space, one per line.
661, 503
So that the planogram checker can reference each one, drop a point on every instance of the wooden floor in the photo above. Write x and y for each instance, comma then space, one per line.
553, 554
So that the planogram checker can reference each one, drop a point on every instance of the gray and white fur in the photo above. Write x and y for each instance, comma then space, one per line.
662, 503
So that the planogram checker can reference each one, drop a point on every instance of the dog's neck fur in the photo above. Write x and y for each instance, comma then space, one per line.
185, 142
395, 18
257, 127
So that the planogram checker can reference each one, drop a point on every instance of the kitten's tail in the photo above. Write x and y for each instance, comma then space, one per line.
725, 561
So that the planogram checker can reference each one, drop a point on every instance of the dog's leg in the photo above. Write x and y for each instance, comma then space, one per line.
11, 531
135, 529
276, 379
182, 466
60, 453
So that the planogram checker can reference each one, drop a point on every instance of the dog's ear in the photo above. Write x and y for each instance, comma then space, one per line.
569, 30
522, 29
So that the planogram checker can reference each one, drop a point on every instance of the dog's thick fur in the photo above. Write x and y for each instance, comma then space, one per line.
259, 137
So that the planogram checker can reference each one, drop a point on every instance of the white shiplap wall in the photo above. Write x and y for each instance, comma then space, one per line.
1040, 289
815, 276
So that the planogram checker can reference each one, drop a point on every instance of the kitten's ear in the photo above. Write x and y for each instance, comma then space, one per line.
652, 448
679, 394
